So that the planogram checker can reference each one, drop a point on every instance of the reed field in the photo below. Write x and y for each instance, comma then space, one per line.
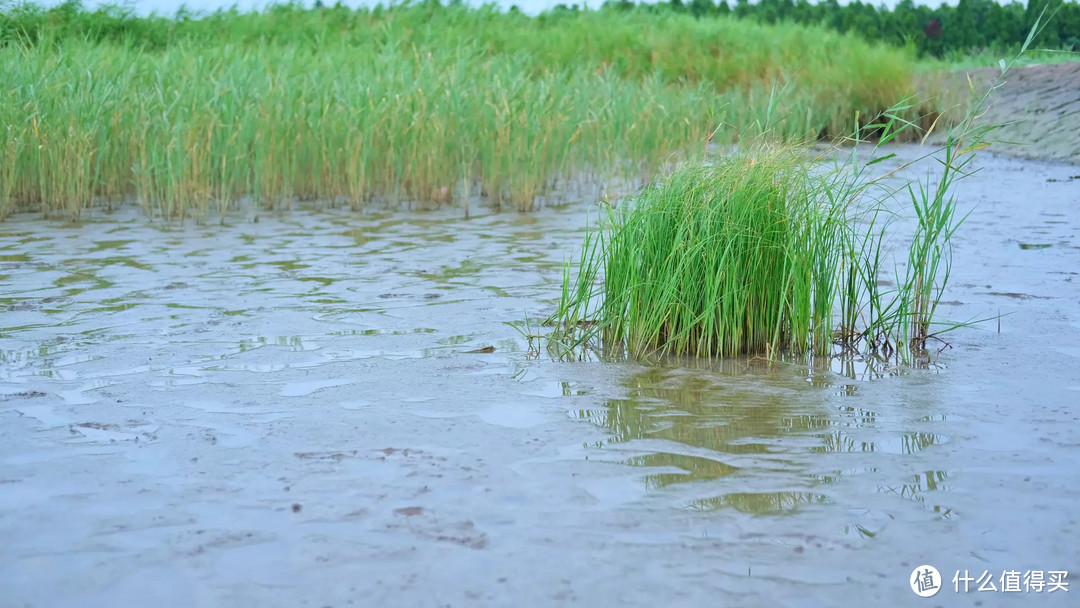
428, 104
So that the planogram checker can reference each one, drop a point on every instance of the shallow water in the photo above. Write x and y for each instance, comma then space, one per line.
285, 413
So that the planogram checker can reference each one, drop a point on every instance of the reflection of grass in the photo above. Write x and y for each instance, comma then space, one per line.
696, 467
697, 413
916, 489
909, 443
761, 503
123, 261
720, 424
83, 276
403, 104
288, 265
293, 343
105, 245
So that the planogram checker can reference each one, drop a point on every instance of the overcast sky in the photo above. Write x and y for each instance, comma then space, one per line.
529, 6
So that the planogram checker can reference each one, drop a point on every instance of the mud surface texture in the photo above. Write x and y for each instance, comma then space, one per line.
1038, 106
305, 411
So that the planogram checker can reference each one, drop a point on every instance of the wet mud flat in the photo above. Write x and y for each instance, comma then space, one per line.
286, 414
1037, 108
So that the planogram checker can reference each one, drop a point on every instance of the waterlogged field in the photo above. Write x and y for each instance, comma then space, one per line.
288, 412
306, 398
427, 104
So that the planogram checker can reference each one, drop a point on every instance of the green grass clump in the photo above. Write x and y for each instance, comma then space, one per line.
721, 259
415, 103
771, 250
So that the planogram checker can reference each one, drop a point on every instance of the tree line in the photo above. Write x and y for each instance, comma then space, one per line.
970, 26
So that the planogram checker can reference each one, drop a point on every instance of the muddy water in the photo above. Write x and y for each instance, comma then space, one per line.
285, 413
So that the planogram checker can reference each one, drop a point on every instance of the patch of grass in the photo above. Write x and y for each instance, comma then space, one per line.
717, 259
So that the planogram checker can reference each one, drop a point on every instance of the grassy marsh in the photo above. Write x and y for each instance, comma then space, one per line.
778, 250
421, 103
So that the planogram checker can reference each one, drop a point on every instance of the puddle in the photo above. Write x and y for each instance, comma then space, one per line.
173, 379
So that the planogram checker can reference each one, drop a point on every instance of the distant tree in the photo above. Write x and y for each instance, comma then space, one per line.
702, 8
767, 11
803, 12
833, 14
743, 8
960, 34
994, 28
1069, 17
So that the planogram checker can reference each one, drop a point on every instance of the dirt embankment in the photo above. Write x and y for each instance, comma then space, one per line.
1039, 107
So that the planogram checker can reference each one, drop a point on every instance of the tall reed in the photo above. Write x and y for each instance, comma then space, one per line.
405, 104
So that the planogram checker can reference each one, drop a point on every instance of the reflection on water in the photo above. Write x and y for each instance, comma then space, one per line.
87, 277
107, 245
908, 443
767, 502
693, 468
917, 487
293, 343
738, 427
